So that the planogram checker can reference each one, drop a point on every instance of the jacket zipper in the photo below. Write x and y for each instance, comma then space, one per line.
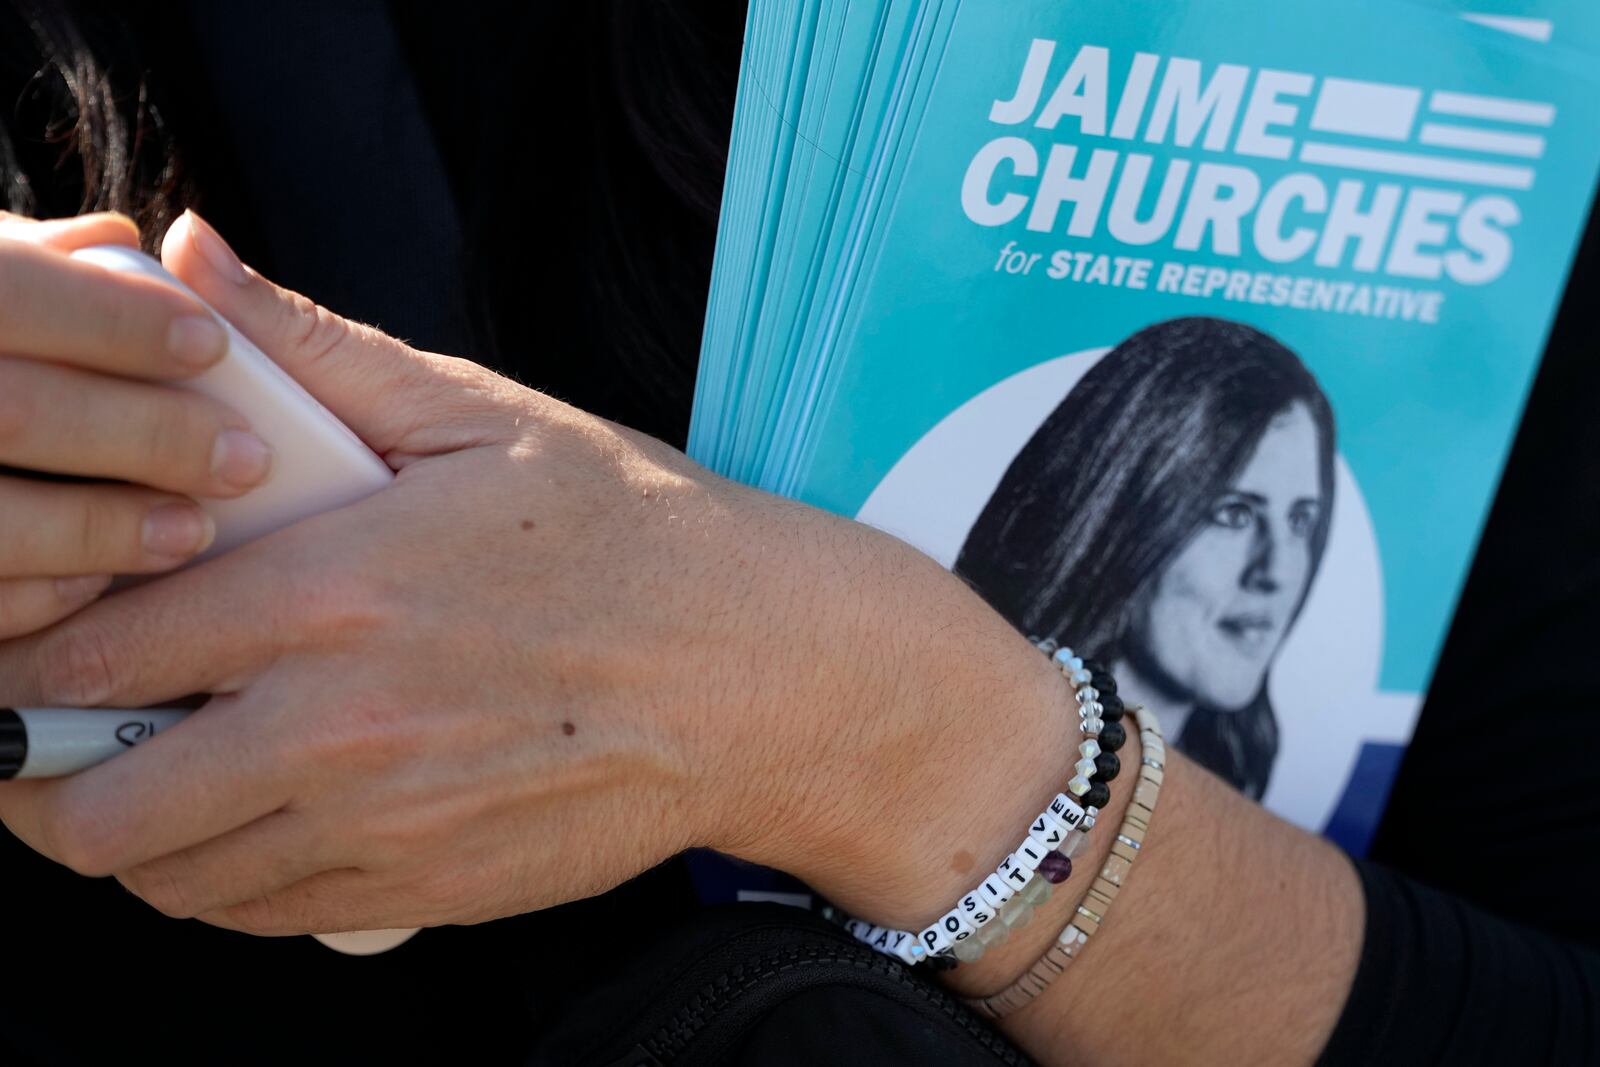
675, 1036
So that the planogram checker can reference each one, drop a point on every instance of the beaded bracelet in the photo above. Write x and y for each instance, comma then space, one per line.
1091, 911
1007, 898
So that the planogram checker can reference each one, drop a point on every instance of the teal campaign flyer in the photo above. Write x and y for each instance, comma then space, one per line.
1192, 335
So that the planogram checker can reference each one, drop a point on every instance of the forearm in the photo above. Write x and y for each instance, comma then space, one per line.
1234, 939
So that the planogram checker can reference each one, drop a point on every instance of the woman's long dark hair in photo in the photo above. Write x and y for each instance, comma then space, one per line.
1120, 476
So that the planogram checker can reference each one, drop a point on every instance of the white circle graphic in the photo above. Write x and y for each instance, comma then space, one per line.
1323, 685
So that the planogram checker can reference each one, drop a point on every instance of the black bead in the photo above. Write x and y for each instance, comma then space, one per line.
1098, 796
1110, 706
1094, 666
1106, 766
1112, 735
1104, 682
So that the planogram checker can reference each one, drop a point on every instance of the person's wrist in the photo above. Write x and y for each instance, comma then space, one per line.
1007, 961
940, 735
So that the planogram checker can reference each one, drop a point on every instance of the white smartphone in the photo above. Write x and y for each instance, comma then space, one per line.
318, 464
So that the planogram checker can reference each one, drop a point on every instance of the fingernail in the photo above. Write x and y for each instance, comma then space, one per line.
215, 250
196, 341
178, 531
83, 589
240, 459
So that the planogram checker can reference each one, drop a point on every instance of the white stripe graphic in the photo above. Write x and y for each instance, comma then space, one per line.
1415, 166
1444, 135
1497, 108
1365, 109
1533, 29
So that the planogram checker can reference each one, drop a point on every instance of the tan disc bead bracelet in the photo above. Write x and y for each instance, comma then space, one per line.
1091, 910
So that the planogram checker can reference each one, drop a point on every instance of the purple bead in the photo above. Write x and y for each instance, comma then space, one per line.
1055, 867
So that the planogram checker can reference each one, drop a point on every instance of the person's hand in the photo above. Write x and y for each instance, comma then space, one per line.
551, 654
81, 353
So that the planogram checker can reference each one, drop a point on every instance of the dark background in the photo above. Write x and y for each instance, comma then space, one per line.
581, 145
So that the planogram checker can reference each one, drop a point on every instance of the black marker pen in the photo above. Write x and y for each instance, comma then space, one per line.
48, 742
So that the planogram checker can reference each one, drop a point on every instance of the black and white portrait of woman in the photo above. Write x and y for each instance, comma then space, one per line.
1168, 518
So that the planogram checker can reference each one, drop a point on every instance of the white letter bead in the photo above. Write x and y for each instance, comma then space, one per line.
1047, 831
979, 913
1019, 875
1065, 830
1013, 874
886, 939
858, 929
955, 925
995, 892
1085, 767
1089, 749
1066, 810
1078, 786
1030, 853
934, 939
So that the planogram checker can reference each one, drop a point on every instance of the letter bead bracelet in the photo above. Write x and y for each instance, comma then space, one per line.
1025, 879
1091, 910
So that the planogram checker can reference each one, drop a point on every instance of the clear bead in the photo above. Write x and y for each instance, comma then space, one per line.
1021, 915
1037, 891
992, 932
968, 949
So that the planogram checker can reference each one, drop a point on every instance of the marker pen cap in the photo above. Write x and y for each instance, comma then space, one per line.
13, 744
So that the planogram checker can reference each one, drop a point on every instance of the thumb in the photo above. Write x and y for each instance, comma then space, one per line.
371, 381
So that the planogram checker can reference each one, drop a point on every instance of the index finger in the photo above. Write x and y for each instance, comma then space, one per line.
77, 231
190, 783
56, 308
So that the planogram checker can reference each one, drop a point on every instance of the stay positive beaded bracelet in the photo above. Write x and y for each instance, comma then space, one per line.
1025, 878
1091, 910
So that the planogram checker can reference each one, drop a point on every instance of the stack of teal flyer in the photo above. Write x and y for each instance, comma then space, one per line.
1193, 335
